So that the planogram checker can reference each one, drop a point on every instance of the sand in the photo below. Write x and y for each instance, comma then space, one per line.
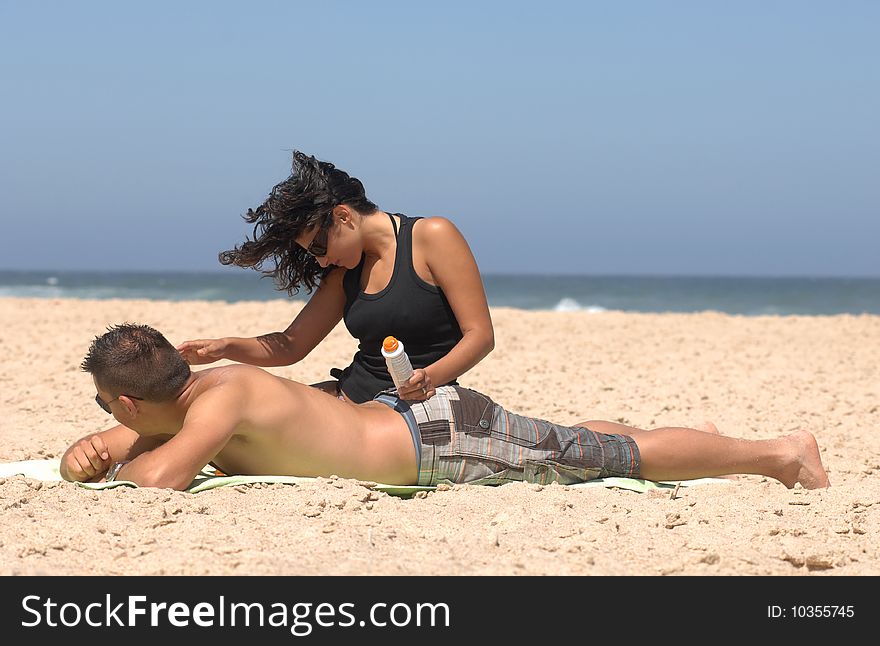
754, 377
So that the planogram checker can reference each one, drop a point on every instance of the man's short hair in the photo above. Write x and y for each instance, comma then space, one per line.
136, 360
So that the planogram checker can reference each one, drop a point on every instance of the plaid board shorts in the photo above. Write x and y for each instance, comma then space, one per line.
467, 437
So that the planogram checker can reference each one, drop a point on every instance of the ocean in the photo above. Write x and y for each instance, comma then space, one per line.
749, 296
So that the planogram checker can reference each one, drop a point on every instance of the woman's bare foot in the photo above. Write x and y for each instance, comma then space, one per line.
805, 465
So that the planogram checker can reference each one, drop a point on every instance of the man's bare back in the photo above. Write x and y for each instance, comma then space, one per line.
287, 428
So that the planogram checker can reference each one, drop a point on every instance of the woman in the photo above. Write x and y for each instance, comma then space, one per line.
383, 273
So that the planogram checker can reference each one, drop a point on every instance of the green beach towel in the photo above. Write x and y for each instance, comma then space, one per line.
48, 470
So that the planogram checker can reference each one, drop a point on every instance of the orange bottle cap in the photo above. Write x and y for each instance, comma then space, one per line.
389, 344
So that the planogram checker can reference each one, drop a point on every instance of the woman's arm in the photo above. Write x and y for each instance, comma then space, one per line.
454, 270
314, 322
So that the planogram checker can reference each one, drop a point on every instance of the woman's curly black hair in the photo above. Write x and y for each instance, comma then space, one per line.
300, 202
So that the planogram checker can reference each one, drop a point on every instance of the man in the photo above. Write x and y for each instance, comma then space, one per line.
244, 420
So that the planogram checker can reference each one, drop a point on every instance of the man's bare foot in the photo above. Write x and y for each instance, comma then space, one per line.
806, 464
707, 427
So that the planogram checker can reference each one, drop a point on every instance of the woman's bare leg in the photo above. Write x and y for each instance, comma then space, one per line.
686, 454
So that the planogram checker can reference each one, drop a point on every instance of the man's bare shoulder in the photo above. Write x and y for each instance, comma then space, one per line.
239, 385
239, 373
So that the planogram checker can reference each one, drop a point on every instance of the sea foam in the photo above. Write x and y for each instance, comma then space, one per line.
571, 305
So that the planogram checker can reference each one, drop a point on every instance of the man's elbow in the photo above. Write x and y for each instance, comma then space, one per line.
158, 478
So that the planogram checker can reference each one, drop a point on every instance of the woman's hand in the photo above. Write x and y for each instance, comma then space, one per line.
418, 387
202, 351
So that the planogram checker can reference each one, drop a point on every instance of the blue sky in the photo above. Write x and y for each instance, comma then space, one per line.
734, 138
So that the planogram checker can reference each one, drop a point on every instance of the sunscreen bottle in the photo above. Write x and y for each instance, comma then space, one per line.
398, 363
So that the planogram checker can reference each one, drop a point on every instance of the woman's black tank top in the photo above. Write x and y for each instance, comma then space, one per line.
415, 312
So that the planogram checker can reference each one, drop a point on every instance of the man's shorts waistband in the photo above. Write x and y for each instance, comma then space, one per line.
403, 408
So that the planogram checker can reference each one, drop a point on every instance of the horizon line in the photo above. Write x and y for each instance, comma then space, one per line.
516, 274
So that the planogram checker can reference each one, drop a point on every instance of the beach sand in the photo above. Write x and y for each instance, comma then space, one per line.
755, 378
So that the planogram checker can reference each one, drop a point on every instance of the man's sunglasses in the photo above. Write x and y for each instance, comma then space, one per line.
105, 406
318, 246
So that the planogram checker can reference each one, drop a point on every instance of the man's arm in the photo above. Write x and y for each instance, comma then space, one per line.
89, 457
209, 424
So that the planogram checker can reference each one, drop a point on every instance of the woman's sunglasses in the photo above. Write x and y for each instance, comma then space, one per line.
318, 246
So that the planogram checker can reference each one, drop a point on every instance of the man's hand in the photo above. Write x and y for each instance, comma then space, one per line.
202, 351
86, 459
